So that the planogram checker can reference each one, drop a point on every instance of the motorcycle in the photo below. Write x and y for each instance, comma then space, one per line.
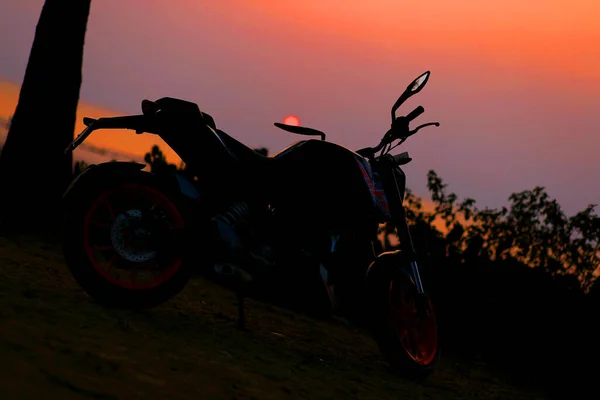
302, 223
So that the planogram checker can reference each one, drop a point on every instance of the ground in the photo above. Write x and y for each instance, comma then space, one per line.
56, 343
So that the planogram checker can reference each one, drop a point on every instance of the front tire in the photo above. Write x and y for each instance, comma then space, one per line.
406, 333
113, 251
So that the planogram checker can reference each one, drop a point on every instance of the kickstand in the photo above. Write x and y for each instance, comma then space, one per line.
241, 311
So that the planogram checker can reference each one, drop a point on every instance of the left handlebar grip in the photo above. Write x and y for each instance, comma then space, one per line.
415, 113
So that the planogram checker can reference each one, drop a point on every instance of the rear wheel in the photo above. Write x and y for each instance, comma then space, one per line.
121, 240
403, 322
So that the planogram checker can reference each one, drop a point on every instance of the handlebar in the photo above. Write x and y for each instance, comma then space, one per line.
399, 130
138, 123
415, 113
422, 126
369, 152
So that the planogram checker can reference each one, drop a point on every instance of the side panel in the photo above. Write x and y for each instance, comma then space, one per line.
390, 180
375, 185
187, 188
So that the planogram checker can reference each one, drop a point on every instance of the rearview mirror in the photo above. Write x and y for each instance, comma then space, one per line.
418, 83
412, 89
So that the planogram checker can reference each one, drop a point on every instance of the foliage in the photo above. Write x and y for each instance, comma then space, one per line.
158, 161
533, 230
512, 281
79, 167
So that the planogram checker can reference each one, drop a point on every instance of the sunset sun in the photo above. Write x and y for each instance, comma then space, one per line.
291, 120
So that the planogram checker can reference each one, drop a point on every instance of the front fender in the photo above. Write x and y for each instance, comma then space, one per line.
387, 263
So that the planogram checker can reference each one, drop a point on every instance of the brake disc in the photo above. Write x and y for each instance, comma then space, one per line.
123, 225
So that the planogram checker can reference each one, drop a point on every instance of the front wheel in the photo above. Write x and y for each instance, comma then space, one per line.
120, 240
403, 322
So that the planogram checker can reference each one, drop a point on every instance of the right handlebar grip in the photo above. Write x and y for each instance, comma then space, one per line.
415, 113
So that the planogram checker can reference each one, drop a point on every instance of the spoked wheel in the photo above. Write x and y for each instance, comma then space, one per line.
121, 243
403, 321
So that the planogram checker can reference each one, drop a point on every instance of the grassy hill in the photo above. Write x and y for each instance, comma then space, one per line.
56, 343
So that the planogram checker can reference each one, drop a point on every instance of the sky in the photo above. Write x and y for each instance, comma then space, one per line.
514, 84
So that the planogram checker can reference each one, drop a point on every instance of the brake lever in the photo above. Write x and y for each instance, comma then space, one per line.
410, 133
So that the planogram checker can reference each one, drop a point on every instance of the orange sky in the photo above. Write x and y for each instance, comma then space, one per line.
547, 35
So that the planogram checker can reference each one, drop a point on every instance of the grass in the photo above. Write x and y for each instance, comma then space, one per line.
55, 343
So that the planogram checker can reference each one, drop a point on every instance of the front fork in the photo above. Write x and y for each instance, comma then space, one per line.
393, 182
410, 253
408, 249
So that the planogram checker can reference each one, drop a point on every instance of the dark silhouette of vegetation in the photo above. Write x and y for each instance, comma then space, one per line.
533, 231
510, 284
158, 162
79, 167
44, 120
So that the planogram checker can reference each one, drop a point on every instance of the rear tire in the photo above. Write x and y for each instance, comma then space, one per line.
407, 337
115, 194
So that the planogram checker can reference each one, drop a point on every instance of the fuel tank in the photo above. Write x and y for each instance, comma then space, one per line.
322, 183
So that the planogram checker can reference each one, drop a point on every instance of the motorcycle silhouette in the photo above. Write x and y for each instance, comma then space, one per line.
302, 223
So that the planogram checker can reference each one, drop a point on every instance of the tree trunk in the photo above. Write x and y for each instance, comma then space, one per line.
34, 171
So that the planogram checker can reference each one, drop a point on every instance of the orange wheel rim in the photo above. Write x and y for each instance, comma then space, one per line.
103, 253
416, 331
